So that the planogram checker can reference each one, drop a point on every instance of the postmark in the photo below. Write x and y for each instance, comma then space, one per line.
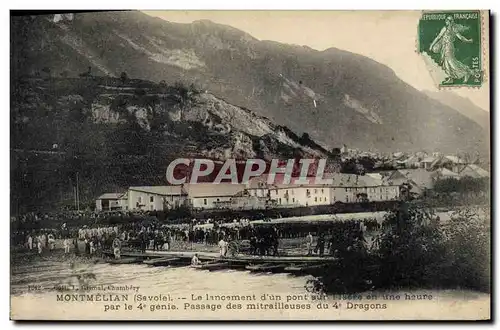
450, 43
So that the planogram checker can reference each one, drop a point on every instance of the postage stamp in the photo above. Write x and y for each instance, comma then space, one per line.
450, 42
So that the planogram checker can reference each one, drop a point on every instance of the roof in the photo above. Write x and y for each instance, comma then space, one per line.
197, 190
353, 180
398, 154
474, 171
455, 159
421, 177
389, 178
161, 190
411, 159
339, 180
446, 172
429, 159
377, 176
111, 196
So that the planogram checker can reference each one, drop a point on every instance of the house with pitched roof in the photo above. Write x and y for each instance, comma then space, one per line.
112, 202
444, 173
305, 192
420, 179
474, 171
211, 195
344, 188
350, 188
258, 186
156, 198
428, 162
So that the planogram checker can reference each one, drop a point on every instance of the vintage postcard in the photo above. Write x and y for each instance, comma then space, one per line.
250, 165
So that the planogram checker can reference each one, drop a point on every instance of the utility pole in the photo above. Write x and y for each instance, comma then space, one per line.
77, 194
74, 196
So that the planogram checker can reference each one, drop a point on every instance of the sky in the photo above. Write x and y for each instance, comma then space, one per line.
388, 37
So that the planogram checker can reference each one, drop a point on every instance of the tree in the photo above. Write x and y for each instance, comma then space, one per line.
469, 244
123, 77
405, 191
186, 95
88, 73
46, 70
411, 248
335, 152
367, 163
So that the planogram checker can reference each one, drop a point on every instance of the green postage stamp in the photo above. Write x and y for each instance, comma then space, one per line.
450, 43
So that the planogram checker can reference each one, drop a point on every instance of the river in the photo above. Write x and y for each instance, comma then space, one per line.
33, 295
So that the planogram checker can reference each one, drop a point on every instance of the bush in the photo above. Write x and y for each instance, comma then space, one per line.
469, 245
411, 248
124, 77
415, 251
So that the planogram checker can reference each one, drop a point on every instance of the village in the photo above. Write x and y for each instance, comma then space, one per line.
418, 174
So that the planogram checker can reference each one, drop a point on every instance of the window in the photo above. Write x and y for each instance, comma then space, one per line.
152, 199
280, 200
347, 199
322, 191
345, 189
315, 199
293, 200
308, 192
315, 191
204, 201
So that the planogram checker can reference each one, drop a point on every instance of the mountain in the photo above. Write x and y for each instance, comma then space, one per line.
335, 96
464, 106
120, 132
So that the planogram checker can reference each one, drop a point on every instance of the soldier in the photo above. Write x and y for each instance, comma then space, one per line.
117, 245
309, 243
320, 245
30, 242
195, 261
222, 247
66, 244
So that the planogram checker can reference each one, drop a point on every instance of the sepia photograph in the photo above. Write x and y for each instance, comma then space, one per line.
250, 165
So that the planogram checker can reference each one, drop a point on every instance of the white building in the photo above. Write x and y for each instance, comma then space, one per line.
211, 195
111, 202
258, 187
346, 188
308, 194
351, 188
156, 198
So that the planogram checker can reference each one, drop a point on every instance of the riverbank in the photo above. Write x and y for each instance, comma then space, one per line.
184, 285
